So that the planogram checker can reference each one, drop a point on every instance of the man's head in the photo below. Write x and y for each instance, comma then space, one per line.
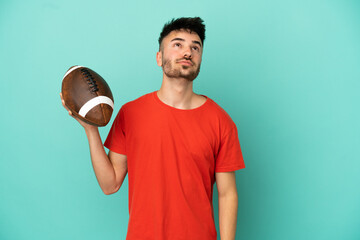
189, 24
180, 47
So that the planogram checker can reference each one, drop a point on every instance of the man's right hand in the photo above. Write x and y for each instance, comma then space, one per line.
82, 123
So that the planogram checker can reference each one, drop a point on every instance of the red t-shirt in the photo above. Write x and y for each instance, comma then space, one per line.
172, 156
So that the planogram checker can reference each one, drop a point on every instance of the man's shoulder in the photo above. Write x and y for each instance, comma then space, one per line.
138, 102
220, 116
217, 109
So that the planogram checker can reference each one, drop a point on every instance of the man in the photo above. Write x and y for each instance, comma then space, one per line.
174, 144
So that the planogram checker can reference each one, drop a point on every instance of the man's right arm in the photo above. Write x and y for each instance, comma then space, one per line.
111, 169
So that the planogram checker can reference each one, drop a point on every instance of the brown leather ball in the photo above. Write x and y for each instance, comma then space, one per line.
87, 95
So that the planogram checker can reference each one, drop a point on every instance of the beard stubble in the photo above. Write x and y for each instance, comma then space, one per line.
173, 72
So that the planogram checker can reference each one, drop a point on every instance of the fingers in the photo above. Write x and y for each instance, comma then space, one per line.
63, 103
72, 115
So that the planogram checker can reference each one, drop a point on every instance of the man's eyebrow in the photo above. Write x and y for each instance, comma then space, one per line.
197, 42
183, 40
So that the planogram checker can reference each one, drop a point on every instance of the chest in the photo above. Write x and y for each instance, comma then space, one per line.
189, 135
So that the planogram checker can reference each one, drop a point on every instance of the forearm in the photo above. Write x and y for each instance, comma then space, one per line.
228, 208
103, 167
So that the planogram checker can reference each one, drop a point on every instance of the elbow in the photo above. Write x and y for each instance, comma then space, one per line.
110, 191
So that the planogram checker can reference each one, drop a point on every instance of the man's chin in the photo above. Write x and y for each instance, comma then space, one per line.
188, 75
190, 78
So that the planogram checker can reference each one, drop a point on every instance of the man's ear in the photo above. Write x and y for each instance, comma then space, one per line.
159, 58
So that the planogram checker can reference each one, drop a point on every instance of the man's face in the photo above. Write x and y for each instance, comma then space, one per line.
180, 55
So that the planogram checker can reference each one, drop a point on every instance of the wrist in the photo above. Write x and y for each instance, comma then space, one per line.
90, 129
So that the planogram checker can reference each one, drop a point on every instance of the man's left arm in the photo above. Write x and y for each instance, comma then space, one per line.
228, 204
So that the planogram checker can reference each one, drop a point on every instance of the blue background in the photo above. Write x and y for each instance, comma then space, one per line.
287, 72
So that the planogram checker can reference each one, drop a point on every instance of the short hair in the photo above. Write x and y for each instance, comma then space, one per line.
194, 24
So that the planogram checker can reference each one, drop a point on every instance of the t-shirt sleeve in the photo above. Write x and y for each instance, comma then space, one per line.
115, 140
229, 157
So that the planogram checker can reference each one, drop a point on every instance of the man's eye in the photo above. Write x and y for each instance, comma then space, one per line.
195, 48
177, 44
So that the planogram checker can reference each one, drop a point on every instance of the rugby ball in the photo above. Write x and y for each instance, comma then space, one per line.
87, 96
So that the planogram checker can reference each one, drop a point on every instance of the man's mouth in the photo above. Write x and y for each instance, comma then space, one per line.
186, 62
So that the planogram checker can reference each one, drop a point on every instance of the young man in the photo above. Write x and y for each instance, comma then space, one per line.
174, 144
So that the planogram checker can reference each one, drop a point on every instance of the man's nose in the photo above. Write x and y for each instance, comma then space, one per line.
187, 52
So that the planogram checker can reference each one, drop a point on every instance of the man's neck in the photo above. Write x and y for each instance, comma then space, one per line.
178, 93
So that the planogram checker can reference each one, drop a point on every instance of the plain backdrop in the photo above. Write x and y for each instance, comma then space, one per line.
287, 72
